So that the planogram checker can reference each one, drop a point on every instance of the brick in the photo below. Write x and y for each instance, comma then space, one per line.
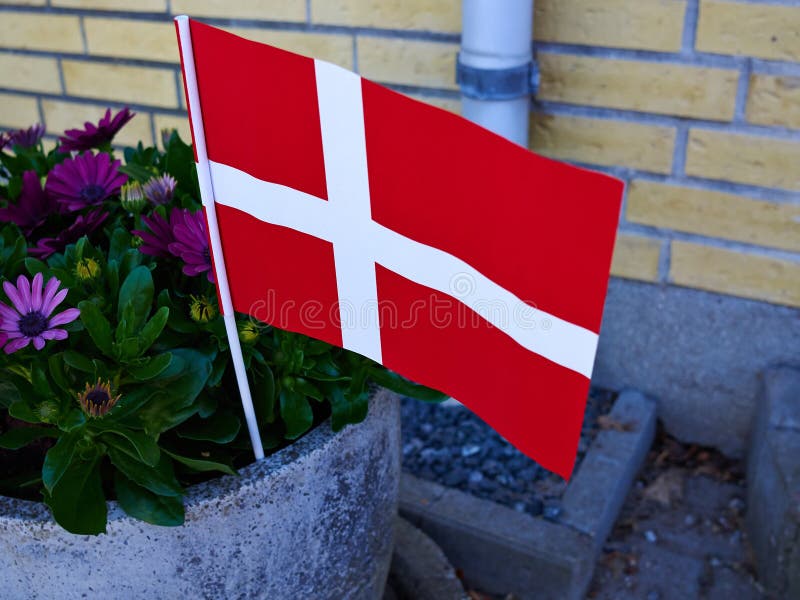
452, 105
36, 31
754, 29
730, 272
664, 88
756, 160
60, 115
604, 142
29, 73
128, 38
18, 111
636, 257
774, 100
642, 24
24, 2
171, 122
427, 15
123, 5
715, 214
337, 49
266, 10
138, 85
408, 62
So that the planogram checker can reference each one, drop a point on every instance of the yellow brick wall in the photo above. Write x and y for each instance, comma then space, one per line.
694, 103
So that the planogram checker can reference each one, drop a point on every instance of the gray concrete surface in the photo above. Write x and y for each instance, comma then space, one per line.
700, 354
773, 478
420, 570
501, 551
315, 520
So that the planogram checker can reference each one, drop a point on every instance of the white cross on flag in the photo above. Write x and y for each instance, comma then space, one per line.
361, 217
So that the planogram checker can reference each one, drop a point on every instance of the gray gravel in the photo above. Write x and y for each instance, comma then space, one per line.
452, 446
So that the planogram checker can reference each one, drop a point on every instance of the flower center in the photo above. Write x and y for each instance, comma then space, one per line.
32, 324
93, 192
97, 397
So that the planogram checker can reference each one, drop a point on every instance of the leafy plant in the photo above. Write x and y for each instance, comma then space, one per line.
116, 364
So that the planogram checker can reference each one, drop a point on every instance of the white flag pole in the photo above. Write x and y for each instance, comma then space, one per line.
207, 195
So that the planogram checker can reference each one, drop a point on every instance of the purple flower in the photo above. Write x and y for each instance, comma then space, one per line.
95, 136
191, 243
32, 207
156, 242
83, 225
159, 190
30, 318
85, 180
27, 138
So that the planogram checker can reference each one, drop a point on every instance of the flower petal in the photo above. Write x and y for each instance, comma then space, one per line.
62, 318
36, 292
55, 334
24, 287
38, 342
13, 295
16, 344
55, 301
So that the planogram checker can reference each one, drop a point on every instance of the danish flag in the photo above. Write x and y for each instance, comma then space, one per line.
358, 216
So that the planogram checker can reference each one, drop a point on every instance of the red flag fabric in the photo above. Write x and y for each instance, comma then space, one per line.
361, 217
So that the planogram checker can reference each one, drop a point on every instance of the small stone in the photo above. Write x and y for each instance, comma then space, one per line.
551, 512
715, 562
426, 428
736, 505
650, 536
455, 477
653, 595
519, 506
475, 477
689, 520
470, 450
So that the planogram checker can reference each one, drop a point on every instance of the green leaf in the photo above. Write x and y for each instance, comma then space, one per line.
346, 409
56, 367
136, 444
205, 464
34, 266
220, 428
152, 367
78, 361
153, 329
146, 506
39, 381
309, 389
137, 172
404, 387
138, 290
73, 419
58, 459
77, 502
120, 245
22, 436
159, 479
9, 394
162, 410
296, 413
264, 396
97, 325
24, 412
125, 327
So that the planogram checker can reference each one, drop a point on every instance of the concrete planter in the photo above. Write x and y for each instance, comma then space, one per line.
314, 520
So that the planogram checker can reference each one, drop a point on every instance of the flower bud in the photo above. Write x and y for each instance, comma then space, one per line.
202, 310
132, 197
248, 332
96, 400
87, 269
